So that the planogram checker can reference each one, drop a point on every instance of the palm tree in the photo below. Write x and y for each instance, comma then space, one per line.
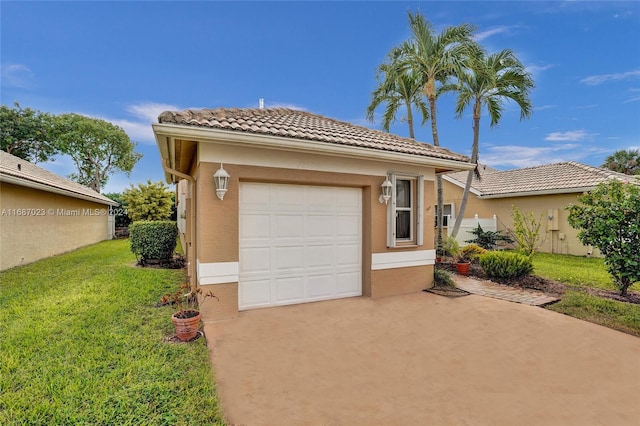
437, 58
623, 161
398, 87
492, 80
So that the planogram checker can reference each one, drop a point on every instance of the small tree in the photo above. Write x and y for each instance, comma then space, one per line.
527, 231
488, 239
609, 218
152, 201
97, 147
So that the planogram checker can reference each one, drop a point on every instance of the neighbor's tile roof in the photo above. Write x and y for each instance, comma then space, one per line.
296, 124
16, 167
549, 178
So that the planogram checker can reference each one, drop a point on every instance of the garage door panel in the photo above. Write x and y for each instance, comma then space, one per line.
289, 226
255, 226
255, 196
254, 293
348, 284
319, 256
309, 248
289, 289
255, 259
321, 286
348, 255
320, 226
288, 258
348, 226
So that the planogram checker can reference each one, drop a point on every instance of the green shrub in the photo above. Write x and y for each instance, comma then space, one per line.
450, 246
472, 252
500, 264
153, 239
442, 278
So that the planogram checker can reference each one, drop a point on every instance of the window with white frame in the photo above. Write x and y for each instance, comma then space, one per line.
405, 210
448, 215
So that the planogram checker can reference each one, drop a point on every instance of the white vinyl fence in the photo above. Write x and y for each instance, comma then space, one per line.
469, 225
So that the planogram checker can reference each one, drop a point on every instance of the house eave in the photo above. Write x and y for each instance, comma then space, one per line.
166, 134
539, 192
461, 184
19, 181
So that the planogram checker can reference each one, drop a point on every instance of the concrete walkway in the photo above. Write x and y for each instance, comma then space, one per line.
422, 359
502, 292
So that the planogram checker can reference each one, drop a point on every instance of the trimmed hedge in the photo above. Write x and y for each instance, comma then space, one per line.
501, 264
151, 240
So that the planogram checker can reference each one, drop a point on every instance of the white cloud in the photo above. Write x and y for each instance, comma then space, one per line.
150, 111
603, 78
493, 31
571, 136
515, 156
138, 131
543, 107
16, 75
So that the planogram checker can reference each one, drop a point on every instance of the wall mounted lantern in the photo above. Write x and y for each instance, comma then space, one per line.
221, 178
386, 191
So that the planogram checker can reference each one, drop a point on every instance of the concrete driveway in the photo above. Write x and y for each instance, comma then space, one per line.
423, 359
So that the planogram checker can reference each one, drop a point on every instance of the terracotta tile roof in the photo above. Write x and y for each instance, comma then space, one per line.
549, 178
296, 124
12, 166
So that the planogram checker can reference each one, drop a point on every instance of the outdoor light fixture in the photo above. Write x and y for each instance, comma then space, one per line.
222, 181
386, 191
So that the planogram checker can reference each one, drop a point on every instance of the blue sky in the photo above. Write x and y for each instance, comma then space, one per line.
126, 62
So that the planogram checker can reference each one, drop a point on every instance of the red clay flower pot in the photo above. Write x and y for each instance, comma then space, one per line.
463, 268
186, 324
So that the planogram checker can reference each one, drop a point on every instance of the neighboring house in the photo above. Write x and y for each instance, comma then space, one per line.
544, 190
303, 218
43, 214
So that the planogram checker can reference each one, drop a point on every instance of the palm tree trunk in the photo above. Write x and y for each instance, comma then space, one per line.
440, 195
410, 121
474, 159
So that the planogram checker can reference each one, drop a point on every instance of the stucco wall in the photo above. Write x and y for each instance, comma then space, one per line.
217, 226
560, 236
36, 224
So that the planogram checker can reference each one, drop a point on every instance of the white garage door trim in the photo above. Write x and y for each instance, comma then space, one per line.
298, 244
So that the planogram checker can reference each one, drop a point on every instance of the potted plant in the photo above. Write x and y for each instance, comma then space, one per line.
186, 318
463, 262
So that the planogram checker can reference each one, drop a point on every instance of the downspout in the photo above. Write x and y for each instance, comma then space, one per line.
191, 264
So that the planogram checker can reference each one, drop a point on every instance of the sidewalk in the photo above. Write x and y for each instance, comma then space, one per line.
503, 292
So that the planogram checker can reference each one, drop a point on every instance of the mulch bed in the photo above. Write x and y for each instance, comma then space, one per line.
543, 285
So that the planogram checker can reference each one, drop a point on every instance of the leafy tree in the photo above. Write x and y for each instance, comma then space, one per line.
609, 218
398, 87
526, 231
121, 218
435, 59
623, 161
26, 133
152, 201
491, 81
97, 147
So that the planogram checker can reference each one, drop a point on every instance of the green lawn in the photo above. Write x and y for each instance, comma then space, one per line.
579, 274
82, 343
575, 270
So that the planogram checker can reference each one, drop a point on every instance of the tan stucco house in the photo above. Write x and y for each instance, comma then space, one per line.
43, 214
545, 190
303, 218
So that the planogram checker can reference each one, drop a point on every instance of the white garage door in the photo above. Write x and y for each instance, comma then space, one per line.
298, 244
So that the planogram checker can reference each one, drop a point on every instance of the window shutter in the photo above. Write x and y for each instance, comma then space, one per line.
391, 214
420, 212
